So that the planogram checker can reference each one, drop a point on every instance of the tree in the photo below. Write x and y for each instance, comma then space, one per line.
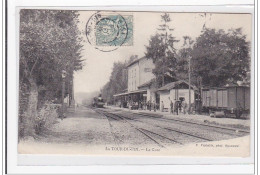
49, 43
162, 51
118, 80
220, 57
183, 58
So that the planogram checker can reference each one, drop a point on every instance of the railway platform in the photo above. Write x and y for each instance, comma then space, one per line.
81, 131
203, 119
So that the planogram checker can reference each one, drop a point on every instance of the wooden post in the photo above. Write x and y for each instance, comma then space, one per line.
72, 93
62, 98
63, 75
189, 87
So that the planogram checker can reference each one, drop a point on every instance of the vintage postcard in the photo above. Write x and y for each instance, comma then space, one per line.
135, 83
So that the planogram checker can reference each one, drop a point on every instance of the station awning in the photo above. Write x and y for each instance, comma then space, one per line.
146, 84
132, 92
175, 85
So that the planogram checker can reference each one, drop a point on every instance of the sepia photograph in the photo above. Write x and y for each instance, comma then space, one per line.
135, 83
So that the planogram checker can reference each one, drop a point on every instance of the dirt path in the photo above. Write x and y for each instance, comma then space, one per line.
82, 127
82, 130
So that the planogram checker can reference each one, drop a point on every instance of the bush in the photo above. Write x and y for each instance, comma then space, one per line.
21, 125
46, 117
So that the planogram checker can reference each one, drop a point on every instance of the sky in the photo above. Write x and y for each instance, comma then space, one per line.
98, 65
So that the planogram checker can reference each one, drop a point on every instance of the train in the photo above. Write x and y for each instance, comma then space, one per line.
226, 101
98, 102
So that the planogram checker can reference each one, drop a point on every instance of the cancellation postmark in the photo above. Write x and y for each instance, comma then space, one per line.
107, 31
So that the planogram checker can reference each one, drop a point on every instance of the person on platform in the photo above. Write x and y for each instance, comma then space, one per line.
176, 105
180, 106
171, 107
162, 106
154, 106
185, 106
145, 105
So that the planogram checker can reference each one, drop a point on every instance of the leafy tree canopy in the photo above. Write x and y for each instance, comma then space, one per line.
118, 80
49, 43
183, 56
220, 57
162, 51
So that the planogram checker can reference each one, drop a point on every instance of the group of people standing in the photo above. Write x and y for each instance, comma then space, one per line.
152, 106
179, 106
176, 107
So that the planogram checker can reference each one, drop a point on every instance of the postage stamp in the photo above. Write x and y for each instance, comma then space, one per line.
109, 29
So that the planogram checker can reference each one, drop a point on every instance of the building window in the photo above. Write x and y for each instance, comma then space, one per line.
147, 70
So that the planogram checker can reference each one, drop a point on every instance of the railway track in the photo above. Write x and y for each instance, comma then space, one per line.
149, 134
219, 129
224, 130
178, 131
152, 134
187, 133
110, 125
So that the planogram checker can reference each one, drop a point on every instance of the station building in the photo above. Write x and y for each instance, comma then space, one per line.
139, 75
175, 91
140, 80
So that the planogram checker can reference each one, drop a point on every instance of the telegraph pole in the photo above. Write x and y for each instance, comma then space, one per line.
72, 93
166, 19
165, 53
187, 44
189, 86
62, 93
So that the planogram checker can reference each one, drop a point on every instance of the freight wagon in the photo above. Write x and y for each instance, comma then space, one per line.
232, 100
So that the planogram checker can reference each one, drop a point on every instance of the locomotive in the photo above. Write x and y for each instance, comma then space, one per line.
98, 102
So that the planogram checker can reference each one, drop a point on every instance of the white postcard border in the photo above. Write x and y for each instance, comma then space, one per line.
14, 159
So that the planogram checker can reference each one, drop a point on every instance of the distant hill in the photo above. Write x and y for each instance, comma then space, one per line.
85, 97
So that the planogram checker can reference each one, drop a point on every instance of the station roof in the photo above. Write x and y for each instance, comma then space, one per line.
131, 92
174, 85
135, 61
147, 84
225, 87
